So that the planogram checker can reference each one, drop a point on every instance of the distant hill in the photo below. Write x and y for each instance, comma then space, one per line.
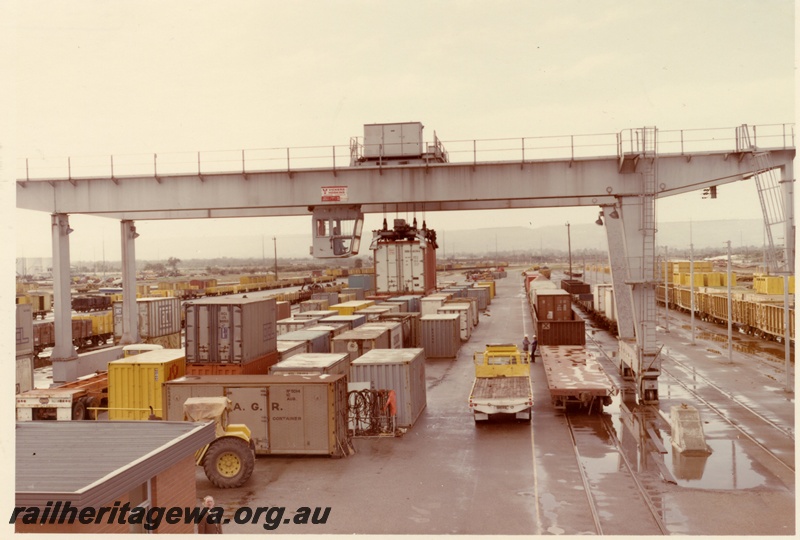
551, 238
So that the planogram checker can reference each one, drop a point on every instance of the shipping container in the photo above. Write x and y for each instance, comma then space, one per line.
599, 296
313, 305
286, 414
399, 370
360, 284
330, 297
287, 349
314, 364
24, 380
258, 366
490, 284
334, 328
402, 304
292, 324
441, 335
554, 305
316, 314
559, 331
575, 286
349, 308
353, 321
319, 340
395, 331
481, 295
155, 317
24, 330
412, 328
283, 310
472, 308
464, 319
413, 302
172, 341
429, 305
360, 340
135, 383
230, 330
404, 267
487, 292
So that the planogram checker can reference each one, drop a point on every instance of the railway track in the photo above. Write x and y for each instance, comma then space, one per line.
748, 422
610, 480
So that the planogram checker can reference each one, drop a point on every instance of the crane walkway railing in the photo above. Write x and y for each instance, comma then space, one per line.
468, 151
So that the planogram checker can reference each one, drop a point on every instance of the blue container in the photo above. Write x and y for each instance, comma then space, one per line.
361, 281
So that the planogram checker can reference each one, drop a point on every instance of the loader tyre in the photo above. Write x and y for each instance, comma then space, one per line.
229, 462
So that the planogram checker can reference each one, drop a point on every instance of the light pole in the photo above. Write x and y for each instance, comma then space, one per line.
275, 245
569, 251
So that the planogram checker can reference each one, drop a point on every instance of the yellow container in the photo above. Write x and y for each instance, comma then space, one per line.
489, 284
771, 284
135, 383
349, 308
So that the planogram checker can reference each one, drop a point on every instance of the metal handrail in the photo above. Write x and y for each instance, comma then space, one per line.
464, 151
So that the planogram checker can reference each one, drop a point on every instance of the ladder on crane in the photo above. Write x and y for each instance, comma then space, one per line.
770, 195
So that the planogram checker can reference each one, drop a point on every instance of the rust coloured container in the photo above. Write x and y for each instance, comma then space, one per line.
259, 366
560, 332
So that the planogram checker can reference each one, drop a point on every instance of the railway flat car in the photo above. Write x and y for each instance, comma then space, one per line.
575, 377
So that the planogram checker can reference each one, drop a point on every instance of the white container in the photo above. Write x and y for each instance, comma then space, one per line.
357, 342
395, 331
24, 380
464, 322
430, 305
284, 326
156, 317
599, 296
287, 349
610, 304
230, 330
472, 308
400, 370
24, 330
404, 268
313, 363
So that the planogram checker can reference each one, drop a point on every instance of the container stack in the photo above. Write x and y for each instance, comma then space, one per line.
159, 321
231, 336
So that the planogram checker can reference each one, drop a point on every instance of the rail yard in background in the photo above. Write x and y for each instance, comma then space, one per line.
628, 425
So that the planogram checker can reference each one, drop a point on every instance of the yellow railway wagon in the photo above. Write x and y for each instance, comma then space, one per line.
769, 319
135, 383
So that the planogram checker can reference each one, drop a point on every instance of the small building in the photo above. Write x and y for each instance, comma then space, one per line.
128, 468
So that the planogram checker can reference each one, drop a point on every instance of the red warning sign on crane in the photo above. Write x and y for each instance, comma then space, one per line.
334, 193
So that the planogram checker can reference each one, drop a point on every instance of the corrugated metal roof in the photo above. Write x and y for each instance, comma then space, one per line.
91, 463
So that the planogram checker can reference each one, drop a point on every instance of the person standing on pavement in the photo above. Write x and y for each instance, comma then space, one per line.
525, 344
534, 344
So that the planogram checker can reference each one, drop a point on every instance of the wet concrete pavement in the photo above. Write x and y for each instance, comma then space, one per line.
447, 475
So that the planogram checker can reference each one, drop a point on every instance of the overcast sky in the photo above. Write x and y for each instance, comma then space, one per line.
103, 78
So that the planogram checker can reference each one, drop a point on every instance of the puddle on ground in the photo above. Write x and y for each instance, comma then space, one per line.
748, 345
728, 467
